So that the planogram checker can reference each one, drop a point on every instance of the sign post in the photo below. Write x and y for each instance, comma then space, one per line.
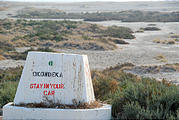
53, 79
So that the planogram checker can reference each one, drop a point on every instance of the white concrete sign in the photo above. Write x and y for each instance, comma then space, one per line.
61, 78
55, 78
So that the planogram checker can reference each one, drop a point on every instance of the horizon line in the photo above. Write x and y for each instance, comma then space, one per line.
81, 1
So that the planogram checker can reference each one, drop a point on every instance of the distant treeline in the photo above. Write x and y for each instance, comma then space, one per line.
124, 16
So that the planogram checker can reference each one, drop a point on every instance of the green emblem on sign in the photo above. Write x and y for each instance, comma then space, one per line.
50, 63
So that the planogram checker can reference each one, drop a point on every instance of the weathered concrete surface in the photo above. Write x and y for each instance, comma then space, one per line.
21, 113
60, 78
55, 78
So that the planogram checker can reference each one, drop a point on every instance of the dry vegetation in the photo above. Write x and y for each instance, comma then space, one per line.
2, 57
149, 29
161, 58
22, 56
3, 8
125, 16
51, 104
154, 69
172, 39
174, 66
133, 97
169, 41
139, 31
60, 34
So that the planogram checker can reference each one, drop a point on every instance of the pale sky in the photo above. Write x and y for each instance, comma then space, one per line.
82, 0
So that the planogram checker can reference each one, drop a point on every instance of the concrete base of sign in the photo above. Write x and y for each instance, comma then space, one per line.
11, 112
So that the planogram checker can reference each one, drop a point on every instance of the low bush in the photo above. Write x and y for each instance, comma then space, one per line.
140, 31
124, 16
11, 74
88, 45
119, 32
151, 24
168, 41
106, 82
74, 35
8, 83
161, 58
7, 92
136, 98
146, 99
6, 46
2, 57
23, 55
150, 29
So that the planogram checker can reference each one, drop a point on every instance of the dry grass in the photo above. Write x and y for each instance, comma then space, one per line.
157, 40
153, 28
174, 66
154, 69
140, 31
68, 34
76, 105
161, 58
3, 8
87, 45
172, 39
169, 41
115, 40
2, 57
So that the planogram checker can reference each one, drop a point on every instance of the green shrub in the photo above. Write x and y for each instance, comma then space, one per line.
85, 37
40, 33
7, 92
119, 32
11, 74
106, 82
133, 97
146, 99
48, 30
7, 25
5, 47
134, 111
8, 84
23, 55
150, 29
0, 111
